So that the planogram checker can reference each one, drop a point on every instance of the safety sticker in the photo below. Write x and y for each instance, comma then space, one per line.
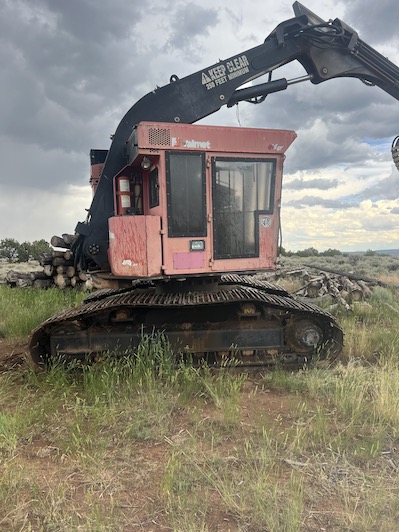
266, 221
225, 71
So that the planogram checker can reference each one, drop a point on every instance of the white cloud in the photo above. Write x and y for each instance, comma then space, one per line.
363, 226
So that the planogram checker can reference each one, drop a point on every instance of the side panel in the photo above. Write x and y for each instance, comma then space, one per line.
135, 246
189, 260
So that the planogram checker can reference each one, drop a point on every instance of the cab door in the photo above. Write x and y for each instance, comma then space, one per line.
244, 223
185, 243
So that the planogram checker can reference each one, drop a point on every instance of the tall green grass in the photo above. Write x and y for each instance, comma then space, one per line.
21, 310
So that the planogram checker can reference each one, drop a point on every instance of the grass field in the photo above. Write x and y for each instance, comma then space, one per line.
147, 446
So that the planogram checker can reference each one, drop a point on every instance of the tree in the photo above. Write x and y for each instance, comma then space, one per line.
13, 251
330, 252
370, 253
38, 247
10, 250
24, 252
308, 252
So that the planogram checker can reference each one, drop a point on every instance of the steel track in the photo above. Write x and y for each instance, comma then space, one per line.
231, 289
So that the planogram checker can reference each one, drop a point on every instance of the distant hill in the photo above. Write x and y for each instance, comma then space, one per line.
393, 252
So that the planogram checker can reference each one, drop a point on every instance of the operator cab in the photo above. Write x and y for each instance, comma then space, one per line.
196, 200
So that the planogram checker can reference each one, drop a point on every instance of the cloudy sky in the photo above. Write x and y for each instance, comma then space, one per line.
72, 68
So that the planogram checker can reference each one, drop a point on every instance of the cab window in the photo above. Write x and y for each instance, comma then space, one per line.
186, 194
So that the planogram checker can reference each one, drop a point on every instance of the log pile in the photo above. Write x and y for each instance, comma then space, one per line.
37, 279
345, 288
58, 269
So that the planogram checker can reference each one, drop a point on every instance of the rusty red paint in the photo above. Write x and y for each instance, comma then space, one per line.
95, 174
213, 138
135, 246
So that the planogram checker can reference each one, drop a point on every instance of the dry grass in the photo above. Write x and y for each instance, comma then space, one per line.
148, 446
25, 267
118, 447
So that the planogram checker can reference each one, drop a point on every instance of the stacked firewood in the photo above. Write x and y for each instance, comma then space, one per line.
58, 269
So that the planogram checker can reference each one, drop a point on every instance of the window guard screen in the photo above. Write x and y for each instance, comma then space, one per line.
242, 188
186, 194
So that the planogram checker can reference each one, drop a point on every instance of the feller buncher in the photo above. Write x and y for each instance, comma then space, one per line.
184, 215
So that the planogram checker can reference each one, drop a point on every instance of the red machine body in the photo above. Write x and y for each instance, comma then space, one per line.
197, 200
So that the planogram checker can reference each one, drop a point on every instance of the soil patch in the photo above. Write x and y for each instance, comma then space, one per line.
13, 355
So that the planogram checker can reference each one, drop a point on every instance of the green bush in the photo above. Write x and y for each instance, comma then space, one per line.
12, 251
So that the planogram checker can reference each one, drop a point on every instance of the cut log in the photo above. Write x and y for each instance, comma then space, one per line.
37, 275
45, 258
12, 276
354, 290
87, 286
62, 281
335, 293
68, 254
345, 295
58, 242
60, 261
43, 283
70, 271
68, 239
75, 281
23, 282
365, 288
48, 270
370, 280
313, 290
57, 253
83, 276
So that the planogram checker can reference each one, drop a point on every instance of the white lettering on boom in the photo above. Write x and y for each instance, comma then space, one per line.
223, 72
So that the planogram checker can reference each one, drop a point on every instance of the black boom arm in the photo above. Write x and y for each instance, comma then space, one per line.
325, 49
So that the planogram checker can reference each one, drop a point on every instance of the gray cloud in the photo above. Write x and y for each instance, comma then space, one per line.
351, 113
313, 201
379, 223
387, 188
319, 183
376, 19
189, 22
68, 72
63, 62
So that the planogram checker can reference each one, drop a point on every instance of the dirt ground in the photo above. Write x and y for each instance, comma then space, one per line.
138, 496
13, 354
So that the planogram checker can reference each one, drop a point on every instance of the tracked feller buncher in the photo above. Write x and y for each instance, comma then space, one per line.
184, 216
